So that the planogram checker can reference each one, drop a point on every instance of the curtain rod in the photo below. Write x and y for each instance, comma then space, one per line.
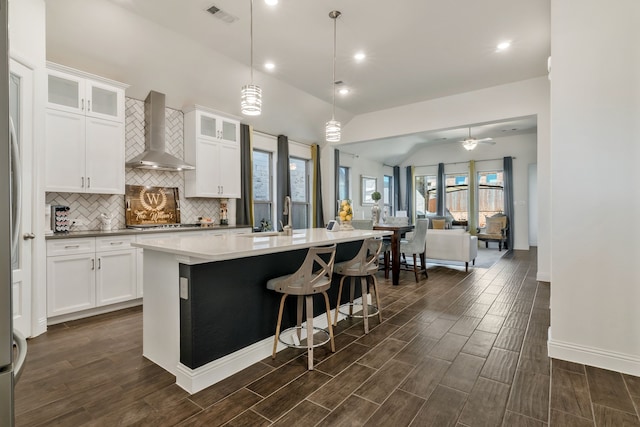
459, 163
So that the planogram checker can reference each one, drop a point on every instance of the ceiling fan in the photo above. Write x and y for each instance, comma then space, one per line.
471, 143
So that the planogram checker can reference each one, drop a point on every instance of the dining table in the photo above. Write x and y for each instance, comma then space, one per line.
398, 231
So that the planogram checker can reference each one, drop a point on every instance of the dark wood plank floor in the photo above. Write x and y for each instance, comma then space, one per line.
457, 349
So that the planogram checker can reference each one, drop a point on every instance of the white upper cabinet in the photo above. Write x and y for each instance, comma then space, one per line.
80, 94
212, 145
218, 128
85, 133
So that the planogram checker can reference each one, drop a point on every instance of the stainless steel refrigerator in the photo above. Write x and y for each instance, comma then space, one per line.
11, 361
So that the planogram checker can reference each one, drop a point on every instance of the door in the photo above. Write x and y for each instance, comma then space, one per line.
71, 283
65, 152
104, 156
116, 276
21, 113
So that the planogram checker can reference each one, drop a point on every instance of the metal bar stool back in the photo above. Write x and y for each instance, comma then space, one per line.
313, 277
364, 265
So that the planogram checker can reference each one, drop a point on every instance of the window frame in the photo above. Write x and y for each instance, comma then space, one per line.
271, 202
307, 202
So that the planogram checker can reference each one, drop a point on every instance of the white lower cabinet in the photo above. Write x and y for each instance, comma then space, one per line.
92, 272
85, 273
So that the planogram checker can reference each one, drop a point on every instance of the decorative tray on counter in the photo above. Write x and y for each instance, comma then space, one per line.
151, 205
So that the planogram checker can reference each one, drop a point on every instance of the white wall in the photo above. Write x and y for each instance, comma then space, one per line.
595, 132
525, 98
360, 166
488, 158
28, 46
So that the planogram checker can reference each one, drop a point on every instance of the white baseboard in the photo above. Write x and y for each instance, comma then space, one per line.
194, 380
543, 276
93, 311
613, 361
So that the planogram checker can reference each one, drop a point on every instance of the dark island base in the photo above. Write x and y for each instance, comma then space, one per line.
230, 308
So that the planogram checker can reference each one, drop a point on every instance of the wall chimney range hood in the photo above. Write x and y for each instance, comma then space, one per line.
154, 155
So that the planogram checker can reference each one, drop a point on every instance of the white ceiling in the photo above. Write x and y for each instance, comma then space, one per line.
416, 49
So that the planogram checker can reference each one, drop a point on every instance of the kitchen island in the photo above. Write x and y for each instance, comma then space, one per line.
206, 310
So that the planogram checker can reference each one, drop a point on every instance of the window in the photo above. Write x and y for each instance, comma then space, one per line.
300, 192
344, 183
490, 195
457, 198
387, 194
262, 190
425, 194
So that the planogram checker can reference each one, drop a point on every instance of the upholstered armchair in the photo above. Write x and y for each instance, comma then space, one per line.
495, 230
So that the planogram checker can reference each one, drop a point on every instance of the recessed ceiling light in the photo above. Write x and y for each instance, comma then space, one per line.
343, 91
271, 2
269, 65
503, 46
359, 56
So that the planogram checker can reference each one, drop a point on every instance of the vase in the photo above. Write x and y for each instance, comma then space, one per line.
375, 214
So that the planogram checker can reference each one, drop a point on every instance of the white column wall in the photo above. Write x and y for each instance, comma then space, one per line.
595, 132
524, 98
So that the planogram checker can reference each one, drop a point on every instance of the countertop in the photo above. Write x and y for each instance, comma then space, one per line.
129, 231
198, 249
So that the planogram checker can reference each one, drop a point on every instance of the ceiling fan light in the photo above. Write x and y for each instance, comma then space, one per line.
332, 131
469, 144
251, 100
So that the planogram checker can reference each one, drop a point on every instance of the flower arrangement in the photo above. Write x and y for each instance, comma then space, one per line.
346, 212
376, 196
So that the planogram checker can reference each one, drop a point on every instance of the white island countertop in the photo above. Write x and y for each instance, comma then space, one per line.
198, 249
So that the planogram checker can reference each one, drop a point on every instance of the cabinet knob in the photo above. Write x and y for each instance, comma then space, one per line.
28, 236
82, 104
88, 105
88, 182
93, 264
82, 185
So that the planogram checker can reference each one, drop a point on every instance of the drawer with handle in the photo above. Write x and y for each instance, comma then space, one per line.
70, 246
114, 243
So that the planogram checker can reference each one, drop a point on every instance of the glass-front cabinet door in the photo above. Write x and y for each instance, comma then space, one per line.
82, 95
65, 92
229, 131
217, 128
104, 101
208, 126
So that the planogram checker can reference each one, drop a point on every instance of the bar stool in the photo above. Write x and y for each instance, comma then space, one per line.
313, 277
364, 265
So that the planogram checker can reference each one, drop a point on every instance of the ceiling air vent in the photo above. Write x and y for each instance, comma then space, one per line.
222, 15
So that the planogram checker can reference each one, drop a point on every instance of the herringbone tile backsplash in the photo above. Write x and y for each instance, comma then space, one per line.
88, 207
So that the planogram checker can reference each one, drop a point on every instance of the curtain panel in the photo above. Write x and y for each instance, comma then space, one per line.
410, 193
441, 189
317, 219
283, 183
396, 190
472, 222
508, 198
336, 171
244, 205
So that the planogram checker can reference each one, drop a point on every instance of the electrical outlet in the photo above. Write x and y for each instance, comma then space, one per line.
76, 222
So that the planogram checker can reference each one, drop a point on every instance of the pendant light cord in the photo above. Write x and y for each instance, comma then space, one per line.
333, 83
251, 38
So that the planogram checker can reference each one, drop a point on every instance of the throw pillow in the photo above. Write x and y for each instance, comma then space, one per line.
494, 226
438, 224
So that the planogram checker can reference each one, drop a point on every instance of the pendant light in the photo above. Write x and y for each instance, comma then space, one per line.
332, 127
251, 100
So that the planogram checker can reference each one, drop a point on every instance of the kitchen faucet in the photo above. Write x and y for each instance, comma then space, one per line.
287, 211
